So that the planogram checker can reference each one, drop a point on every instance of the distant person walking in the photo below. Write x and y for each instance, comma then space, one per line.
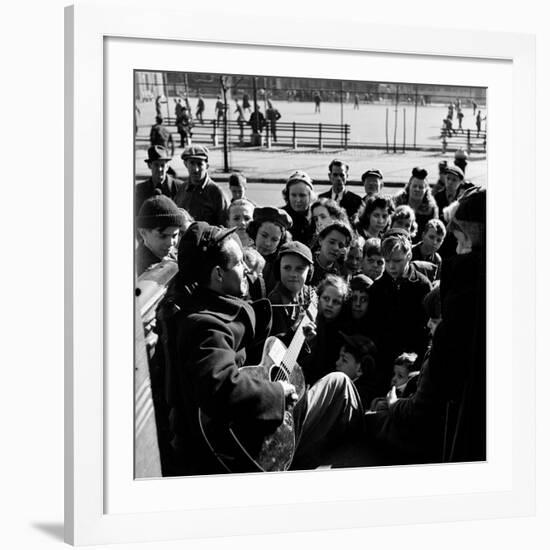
356, 102
240, 119
184, 125
200, 109
246, 103
272, 116
159, 135
317, 101
478, 122
257, 121
459, 117
474, 106
158, 105
220, 108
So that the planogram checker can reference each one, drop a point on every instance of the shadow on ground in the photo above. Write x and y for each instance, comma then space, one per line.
54, 530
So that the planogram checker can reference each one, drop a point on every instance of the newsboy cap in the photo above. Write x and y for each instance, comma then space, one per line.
455, 170
196, 247
195, 152
298, 249
157, 152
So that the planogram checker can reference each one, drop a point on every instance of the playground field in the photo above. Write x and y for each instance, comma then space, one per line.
371, 124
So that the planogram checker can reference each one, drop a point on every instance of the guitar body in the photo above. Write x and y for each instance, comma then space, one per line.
242, 448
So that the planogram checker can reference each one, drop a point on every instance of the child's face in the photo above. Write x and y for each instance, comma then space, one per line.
320, 217
359, 304
268, 238
299, 196
372, 185
373, 266
330, 303
237, 191
348, 364
378, 220
160, 241
431, 241
294, 272
240, 216
432, 324
417, 188
400, 375
354, 259
332, 246
396, 263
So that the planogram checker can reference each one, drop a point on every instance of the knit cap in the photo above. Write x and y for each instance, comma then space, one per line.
159, 211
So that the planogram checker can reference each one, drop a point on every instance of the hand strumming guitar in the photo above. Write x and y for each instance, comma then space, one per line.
291, 397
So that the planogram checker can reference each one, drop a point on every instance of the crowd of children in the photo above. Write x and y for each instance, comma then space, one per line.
374, 276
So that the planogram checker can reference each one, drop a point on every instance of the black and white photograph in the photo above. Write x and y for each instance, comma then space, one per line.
310, 281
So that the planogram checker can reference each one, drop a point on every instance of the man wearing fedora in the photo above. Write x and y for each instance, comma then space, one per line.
200, 195
160, 182
338, 172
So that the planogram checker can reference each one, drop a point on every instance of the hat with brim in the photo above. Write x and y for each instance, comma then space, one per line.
298, 249
157, 152
197, 247
454, 170
372, 174
195, 152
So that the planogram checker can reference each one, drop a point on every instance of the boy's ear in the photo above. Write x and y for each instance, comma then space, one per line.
143, 232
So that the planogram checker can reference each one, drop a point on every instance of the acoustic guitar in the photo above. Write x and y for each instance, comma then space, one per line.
241, 448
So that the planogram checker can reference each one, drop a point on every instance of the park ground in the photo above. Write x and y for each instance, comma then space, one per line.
267, 169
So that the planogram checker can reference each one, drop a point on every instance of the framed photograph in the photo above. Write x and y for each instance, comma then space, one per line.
120, 76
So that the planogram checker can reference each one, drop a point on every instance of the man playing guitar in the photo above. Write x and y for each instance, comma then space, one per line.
228, 418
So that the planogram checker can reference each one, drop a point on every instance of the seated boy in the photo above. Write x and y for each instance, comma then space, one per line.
403, 382
158, 223
356, 359
291, 295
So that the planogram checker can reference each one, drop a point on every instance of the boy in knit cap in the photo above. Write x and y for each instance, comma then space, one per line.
158, 223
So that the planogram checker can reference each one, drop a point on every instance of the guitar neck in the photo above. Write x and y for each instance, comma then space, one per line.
291, 355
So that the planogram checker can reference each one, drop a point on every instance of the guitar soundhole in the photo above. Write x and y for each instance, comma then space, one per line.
278, 373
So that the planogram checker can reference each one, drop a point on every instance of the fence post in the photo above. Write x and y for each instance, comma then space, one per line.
294, 139
346, 137
214, 134
268, 134
320, 135
468, 142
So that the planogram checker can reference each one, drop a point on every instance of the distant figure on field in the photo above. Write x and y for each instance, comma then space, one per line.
317, 101
200, 109
272, 115
159, 135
